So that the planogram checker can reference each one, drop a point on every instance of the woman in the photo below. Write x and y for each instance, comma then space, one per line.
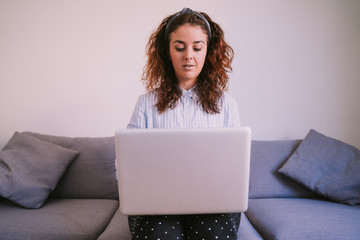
186, 79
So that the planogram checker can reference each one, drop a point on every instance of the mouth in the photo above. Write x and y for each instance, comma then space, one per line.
188, 66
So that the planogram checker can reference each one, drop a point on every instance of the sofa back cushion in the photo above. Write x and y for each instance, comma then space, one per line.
265, 182
92, 174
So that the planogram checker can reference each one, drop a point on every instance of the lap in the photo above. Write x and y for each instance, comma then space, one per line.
203, 226
216, 226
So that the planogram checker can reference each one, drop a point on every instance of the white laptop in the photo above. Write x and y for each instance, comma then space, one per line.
183, 171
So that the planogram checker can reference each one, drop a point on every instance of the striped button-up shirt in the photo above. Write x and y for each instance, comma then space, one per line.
187, 113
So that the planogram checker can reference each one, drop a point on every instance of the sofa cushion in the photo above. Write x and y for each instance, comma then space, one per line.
247, 231
118, 228
266, 158
31, 168
327, 166
92, 174
309, 219
63, 219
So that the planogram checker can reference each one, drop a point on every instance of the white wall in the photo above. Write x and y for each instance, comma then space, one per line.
73, 67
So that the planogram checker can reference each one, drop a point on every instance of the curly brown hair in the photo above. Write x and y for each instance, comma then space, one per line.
159, 73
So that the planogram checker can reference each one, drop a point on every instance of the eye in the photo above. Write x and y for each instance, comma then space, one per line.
197, 49
179, 49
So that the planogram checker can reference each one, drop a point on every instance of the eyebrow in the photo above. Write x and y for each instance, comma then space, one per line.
182, 42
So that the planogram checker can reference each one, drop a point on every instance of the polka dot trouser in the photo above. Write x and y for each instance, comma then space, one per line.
194, 227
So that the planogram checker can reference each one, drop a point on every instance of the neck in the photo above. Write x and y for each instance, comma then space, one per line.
187, 84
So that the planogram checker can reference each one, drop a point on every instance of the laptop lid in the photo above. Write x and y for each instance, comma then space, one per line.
183, 171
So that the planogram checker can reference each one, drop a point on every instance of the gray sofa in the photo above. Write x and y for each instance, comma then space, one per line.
84, 204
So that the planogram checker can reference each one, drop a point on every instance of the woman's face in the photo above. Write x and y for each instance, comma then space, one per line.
188, 48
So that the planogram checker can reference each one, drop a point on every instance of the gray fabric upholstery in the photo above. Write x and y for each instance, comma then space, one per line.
30, 169
327, 166
92, 174
266, 158
246, 230
62, 219
311, 219
118, 228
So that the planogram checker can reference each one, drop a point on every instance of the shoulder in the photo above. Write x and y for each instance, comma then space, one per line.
228, 101
142, 111
147, 98
231, 111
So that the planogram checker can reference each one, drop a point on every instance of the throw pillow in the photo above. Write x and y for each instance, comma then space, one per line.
92, 175
30, 169
327, 166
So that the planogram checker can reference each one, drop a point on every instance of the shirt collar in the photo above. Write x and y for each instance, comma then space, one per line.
189, 93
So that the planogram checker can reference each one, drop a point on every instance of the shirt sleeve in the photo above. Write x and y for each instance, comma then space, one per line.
138, 118
232, 115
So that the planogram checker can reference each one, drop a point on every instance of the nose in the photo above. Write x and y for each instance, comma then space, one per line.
188, 54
